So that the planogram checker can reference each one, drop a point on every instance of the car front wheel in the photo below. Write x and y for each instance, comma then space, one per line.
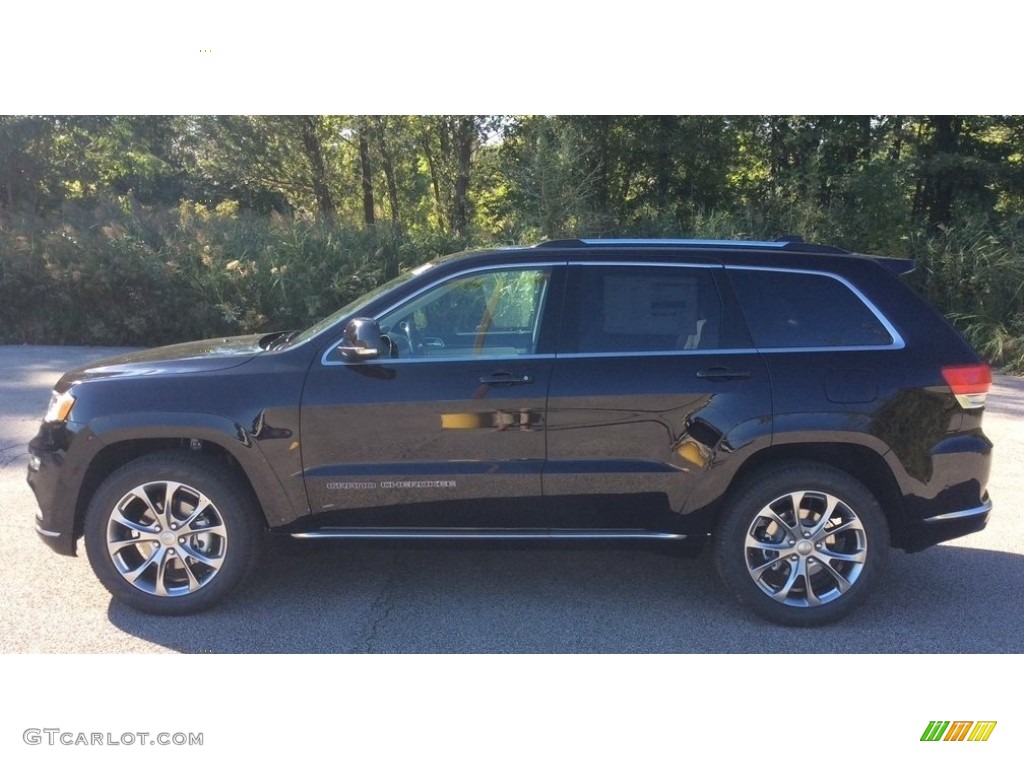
803, 544
172, 534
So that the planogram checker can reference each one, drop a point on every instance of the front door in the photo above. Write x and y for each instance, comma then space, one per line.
452, 411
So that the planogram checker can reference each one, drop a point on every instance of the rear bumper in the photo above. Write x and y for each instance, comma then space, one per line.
951, 525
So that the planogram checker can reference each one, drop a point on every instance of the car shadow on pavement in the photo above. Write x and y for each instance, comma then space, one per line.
493, 598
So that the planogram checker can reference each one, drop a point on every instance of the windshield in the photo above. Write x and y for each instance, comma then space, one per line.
353, 307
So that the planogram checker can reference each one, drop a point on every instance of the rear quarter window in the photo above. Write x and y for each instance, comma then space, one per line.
787, 310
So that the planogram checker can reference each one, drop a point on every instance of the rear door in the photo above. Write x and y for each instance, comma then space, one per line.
656, 383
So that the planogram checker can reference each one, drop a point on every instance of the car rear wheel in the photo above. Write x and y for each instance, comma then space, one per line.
172, 534
803, 544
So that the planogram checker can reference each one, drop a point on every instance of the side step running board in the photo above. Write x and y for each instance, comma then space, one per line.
544, 534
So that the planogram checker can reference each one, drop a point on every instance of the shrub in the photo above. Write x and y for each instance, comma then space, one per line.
119, 273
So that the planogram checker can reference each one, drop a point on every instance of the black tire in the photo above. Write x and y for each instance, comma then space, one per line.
780, 555
177, 561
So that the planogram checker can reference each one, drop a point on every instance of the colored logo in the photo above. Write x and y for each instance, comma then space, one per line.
958, 730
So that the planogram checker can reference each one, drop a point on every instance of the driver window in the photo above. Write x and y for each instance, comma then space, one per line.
484, 314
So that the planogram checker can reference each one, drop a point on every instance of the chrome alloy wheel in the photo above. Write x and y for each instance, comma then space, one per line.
166, 538
805, 548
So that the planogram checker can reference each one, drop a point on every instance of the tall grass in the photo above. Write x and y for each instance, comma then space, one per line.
119, 273
976, 276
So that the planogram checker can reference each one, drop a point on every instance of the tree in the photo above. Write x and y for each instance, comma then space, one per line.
381, 129
549, 183
448, 144
965, 165
27, 173
46, 160
309, 127
273, 162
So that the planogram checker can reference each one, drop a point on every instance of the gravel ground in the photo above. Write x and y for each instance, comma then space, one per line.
960, 597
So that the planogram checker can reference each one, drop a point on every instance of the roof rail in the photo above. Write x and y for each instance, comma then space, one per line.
786, 243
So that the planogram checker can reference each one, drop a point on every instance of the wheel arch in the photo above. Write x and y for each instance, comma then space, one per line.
860, 462
112, 457
223, 436
222, 440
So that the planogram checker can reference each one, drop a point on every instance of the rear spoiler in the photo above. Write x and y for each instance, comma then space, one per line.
899, 266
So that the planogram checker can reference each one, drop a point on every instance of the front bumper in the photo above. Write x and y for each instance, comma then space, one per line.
48, 459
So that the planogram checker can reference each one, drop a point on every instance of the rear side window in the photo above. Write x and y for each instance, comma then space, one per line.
795, 309
621, 309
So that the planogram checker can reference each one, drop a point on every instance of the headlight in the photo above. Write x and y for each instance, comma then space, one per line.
60, 407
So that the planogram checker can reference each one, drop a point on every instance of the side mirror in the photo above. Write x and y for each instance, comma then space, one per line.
361, 340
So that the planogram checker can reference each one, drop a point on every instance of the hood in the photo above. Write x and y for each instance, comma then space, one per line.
190, 357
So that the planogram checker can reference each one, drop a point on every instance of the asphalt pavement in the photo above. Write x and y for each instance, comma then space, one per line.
958, 597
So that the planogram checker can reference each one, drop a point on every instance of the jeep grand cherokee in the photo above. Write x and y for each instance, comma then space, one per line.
797, 405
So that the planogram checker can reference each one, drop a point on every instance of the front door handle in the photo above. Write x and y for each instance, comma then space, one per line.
506, 378
722, 374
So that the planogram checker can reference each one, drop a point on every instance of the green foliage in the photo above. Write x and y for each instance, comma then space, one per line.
128, 274
544, 184
145, 229
976, 276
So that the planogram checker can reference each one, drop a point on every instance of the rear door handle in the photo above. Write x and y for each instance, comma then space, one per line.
506, 378
722, 374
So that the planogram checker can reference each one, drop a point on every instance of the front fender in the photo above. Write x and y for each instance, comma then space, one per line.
243, 443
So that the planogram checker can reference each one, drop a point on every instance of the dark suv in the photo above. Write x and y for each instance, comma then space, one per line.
797, 404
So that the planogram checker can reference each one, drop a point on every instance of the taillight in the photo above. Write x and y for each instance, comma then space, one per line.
970, 383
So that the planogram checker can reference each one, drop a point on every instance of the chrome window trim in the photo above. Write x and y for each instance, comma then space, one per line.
658, 353
726, 351
578, 355
389, 361
846, 348
897, 339
454, 276
897, 343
